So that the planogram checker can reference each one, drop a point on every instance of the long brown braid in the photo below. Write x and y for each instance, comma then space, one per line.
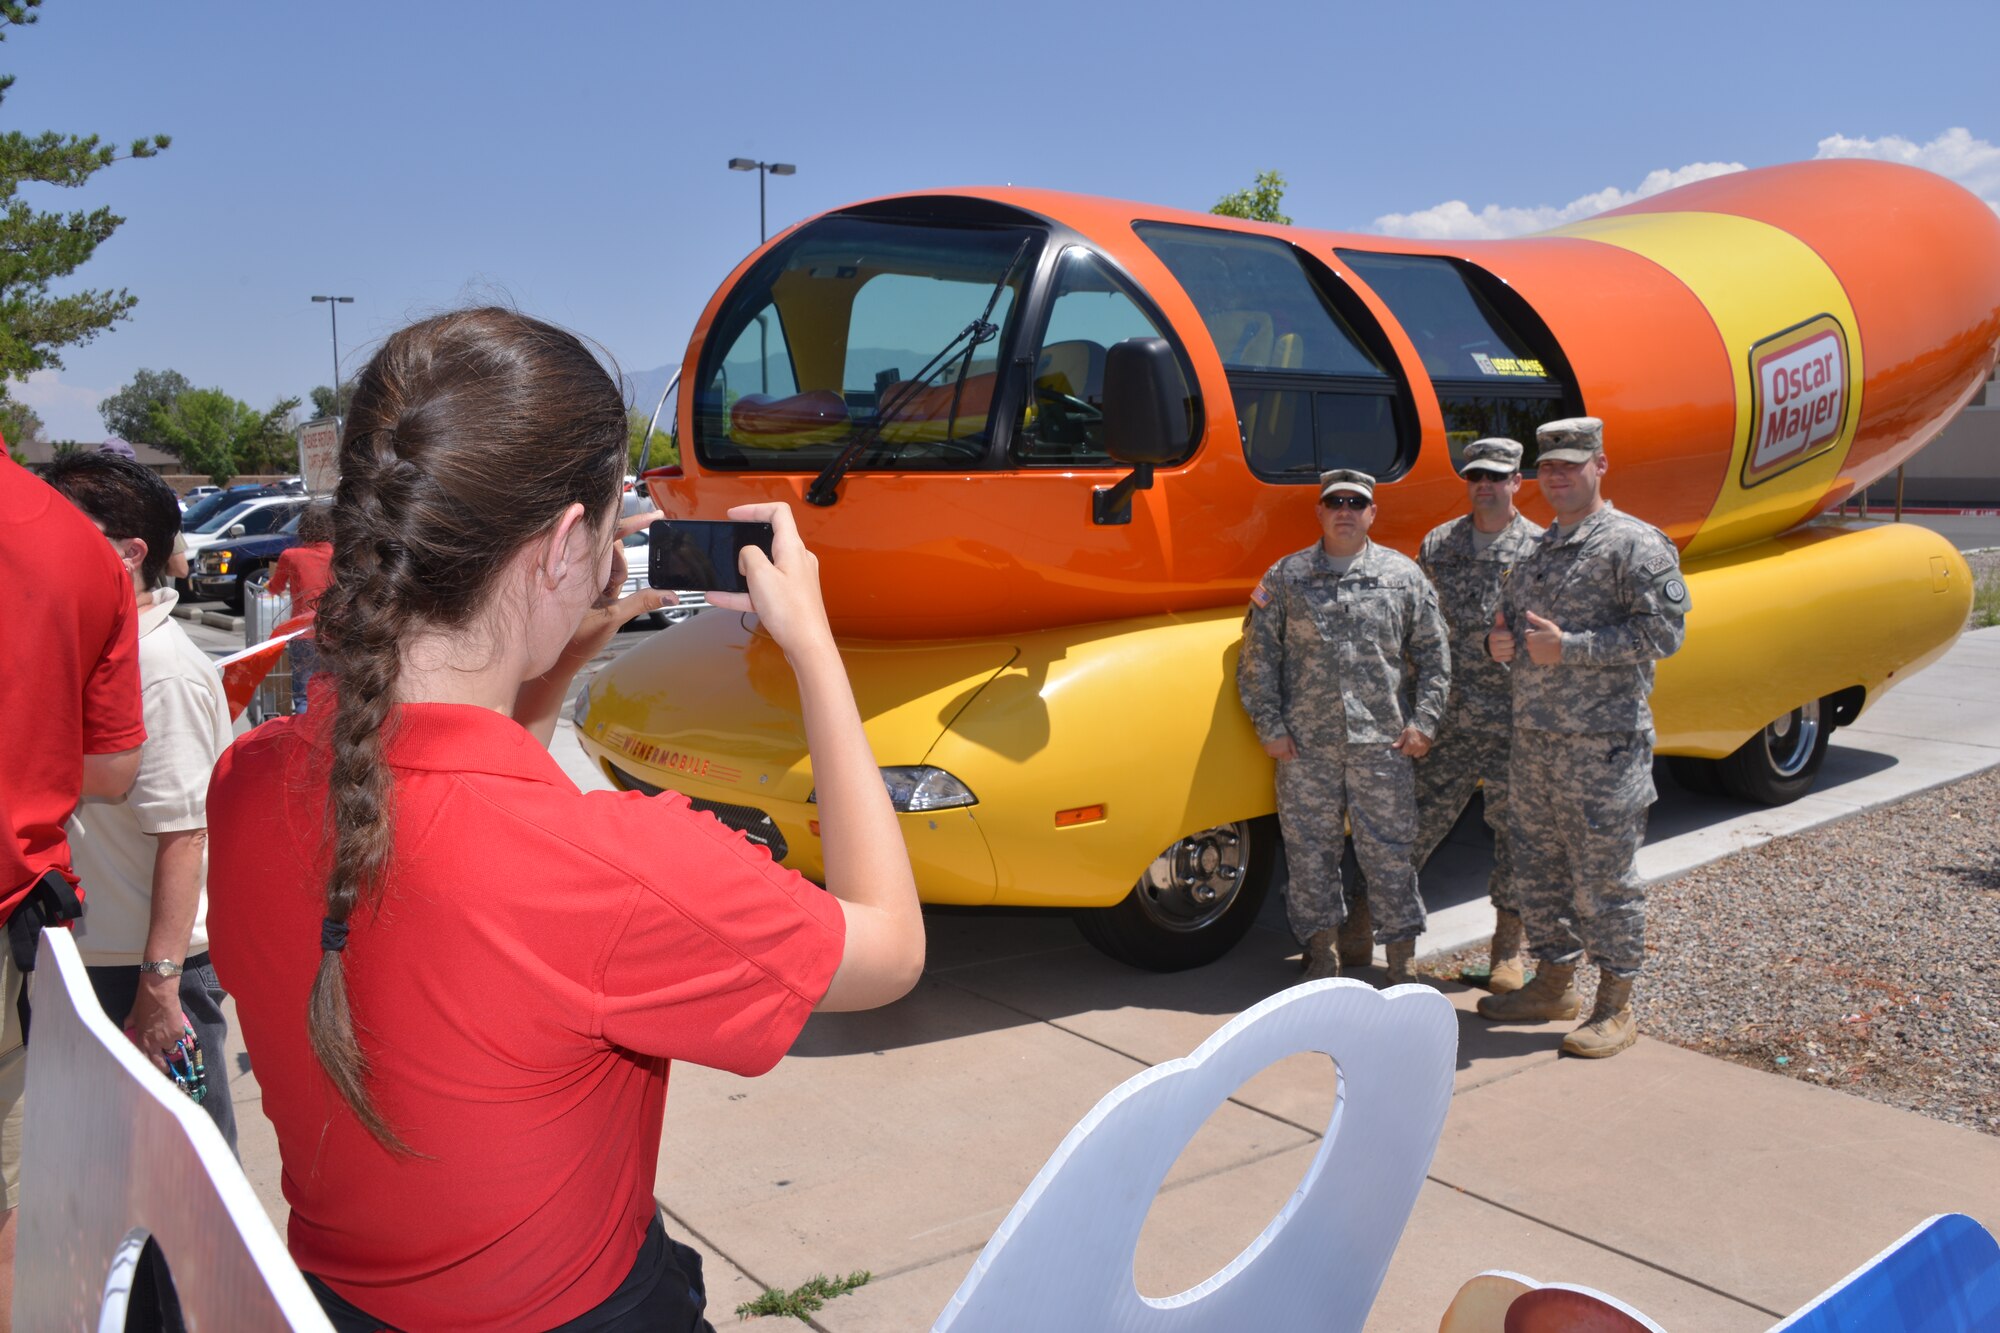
469, 434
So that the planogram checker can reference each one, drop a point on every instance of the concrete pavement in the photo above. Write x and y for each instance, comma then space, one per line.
1711, 1196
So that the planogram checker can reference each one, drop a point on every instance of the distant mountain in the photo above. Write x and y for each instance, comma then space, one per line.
643, 387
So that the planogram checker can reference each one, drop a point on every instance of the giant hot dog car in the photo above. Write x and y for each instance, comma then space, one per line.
1045, 444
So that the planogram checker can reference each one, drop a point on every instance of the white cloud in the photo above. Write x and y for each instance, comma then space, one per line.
1454, 220
68, 411
1955, 154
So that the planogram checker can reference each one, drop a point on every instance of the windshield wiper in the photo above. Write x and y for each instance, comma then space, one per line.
825, 488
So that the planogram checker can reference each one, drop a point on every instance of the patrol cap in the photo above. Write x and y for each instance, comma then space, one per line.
1495, 454
1346, 479
1571, 440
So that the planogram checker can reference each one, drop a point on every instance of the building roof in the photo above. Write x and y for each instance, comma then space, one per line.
44, 451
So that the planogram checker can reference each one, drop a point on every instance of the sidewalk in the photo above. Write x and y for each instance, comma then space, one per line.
1711, 1196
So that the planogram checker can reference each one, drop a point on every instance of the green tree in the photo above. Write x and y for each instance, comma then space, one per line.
324, 404
666, 449
37, 248
1259, 203
22, 426
213, 433
128, 414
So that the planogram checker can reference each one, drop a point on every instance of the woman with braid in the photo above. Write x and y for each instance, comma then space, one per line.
462, 980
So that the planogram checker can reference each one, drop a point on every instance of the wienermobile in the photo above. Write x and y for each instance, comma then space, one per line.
1045, 444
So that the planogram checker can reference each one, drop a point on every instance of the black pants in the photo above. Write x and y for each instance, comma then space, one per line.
662, 1294
201, 1000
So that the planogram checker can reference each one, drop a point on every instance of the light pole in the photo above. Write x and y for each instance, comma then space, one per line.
762, 169
333, 304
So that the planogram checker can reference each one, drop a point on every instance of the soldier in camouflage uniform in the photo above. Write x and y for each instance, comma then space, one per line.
1466, 560
1582, 620
1329, 644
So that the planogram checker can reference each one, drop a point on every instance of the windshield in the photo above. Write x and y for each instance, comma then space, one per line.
208, 505
806, 352
222, 520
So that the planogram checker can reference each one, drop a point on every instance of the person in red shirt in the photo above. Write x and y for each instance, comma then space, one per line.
70, 727
460, 979
304, 572
305, 569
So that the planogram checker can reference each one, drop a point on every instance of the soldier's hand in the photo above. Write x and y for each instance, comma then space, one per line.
1500, 640
1282, 748
1413, 742
1545, 641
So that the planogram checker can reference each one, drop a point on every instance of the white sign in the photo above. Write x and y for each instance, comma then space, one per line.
1801, 397
319, 455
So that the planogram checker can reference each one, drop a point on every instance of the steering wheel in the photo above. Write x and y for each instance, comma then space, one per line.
1066, 406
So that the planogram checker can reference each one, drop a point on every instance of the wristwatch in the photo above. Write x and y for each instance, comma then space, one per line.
161, 968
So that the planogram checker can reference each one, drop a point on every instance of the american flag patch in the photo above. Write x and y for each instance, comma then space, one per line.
1259, 596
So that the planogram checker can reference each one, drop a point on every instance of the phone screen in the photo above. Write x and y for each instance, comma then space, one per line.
699, 555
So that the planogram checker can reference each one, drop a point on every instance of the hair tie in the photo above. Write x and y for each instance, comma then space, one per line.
332, 935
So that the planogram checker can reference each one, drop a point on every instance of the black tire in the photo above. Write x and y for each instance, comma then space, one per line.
237, 595
1780, 763
1166, 924
1695, 775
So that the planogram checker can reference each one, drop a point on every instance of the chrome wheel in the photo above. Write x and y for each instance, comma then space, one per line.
1791, 742
1193, 883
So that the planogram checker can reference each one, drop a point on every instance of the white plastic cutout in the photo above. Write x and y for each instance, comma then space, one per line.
112, 1152
1063, 1258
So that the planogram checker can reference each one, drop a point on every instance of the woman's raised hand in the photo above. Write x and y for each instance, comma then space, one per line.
784, 589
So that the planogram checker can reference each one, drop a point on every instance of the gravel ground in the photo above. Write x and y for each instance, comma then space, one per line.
1863, 955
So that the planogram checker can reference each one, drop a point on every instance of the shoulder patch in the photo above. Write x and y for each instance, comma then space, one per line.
1656, 564
1675, 591
1259, 597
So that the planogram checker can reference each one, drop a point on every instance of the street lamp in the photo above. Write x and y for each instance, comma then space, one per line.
762, 169
333, 303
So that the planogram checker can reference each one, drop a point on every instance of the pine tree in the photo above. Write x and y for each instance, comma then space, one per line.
37, 248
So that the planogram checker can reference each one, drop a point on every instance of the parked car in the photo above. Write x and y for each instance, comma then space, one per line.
208, 506
248, 518
224, 571
198, 493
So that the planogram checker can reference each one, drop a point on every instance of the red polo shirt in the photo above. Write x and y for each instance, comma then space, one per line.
539, 956
70, 685
304, 572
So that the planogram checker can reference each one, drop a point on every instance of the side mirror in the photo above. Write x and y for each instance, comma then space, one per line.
236, 530
1145, 402
1145, 420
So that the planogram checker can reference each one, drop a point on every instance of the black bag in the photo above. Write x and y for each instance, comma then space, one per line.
52, 902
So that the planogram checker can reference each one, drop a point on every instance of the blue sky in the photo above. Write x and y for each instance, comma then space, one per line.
571, 158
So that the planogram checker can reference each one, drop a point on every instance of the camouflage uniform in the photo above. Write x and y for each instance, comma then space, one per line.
1478, 719
1324, 662
1582, 768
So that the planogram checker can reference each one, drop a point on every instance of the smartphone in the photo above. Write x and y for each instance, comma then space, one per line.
699, 555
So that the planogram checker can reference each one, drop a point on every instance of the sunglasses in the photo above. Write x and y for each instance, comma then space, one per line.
1345, 501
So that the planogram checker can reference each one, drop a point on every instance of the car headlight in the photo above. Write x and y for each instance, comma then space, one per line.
920, 787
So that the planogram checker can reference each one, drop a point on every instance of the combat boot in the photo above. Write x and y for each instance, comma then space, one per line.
1509, 971
1322, 955
1552, 994
1357, 935
1401, 953
1611, 1027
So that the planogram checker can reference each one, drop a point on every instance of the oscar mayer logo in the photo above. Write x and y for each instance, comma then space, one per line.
1798, 397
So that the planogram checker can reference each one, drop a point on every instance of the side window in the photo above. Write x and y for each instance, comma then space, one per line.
1308, 368
1496, 371
1091, 309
